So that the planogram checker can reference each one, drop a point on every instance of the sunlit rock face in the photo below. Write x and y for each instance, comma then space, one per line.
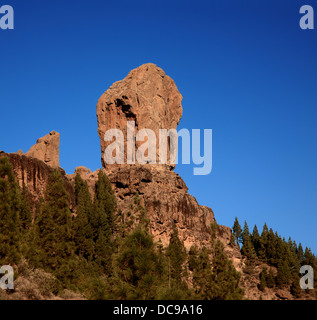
146, 97
46, 149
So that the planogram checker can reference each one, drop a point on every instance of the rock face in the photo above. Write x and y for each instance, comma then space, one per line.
150, 98
146, 96
35, 175
46, 149
167, 202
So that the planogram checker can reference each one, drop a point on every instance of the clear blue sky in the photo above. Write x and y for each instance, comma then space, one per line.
245, 70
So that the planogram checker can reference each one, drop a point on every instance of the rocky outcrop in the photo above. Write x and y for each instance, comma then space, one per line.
146, 96
35, 175
46, 149
151, 99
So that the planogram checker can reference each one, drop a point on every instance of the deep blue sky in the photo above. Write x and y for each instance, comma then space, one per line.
245, 69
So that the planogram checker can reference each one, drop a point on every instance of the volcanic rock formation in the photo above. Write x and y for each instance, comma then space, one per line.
150, 98
146, 96
46, 149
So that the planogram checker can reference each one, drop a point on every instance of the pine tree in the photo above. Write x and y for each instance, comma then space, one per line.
217, 280
83, 232
271, 247
79, 184
26, 211
105, 200
295, 288
237, 231
300, 253
283, 274
176, 254
224, 279
54, 231
33, 251
270, 279
263, 243
175, 257
247, 247
255, 237
138, 267
245, 233
27, 233
10, 208
308, 258
193, 258
263, 279
202, 274
103, 222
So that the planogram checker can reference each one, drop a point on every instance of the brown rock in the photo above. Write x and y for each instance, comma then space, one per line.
147, 96
46, 149
167, 202
150, 98
35, 175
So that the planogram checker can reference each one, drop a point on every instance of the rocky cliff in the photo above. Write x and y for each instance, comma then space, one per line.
35, 174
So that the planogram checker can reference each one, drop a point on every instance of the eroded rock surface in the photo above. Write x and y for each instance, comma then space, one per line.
46, 149
166, 200
146, 96
35, 175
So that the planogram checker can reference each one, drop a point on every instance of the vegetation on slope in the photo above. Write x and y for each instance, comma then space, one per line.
103, 253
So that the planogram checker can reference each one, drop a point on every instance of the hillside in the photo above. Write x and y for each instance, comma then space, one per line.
131, 231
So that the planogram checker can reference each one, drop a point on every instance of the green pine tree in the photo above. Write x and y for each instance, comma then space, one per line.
263, 243
176, 254
55, 231
102, 221
247, 247
255, 238
10, 209
295, 288
283, 274
26, 211
270, 279
138, 267
224, 279
263, 279
83, 231
300, 253
237, 231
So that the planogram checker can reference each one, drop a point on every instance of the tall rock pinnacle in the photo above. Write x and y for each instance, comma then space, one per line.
146, 96
150, 99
